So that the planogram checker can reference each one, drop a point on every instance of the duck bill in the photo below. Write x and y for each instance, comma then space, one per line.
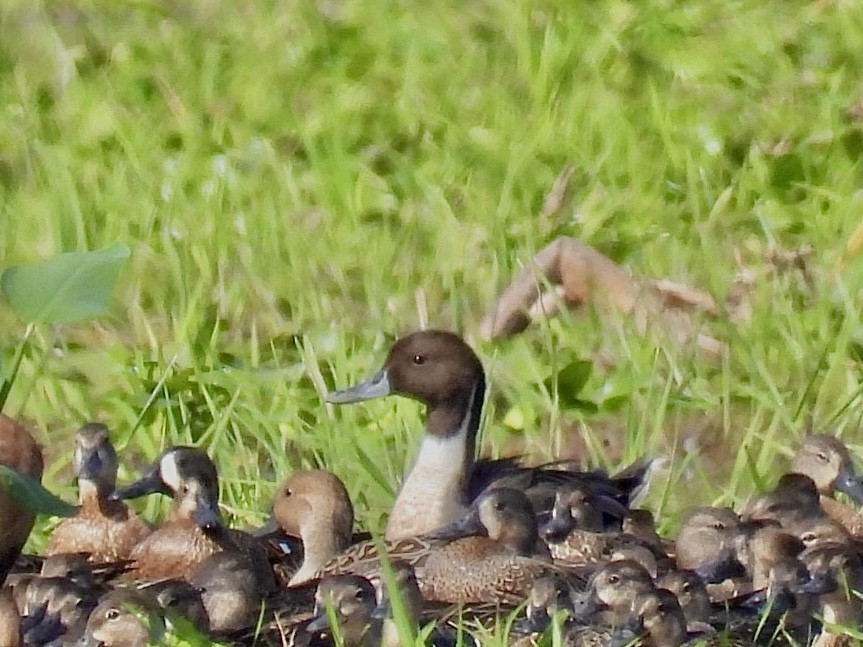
91, 465
207, 514
383, 610
269, 529
469, 525
376, 387
150, 483
557, 528
849, 483
318, 624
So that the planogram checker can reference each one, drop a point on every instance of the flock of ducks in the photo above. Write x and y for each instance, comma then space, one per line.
544, 551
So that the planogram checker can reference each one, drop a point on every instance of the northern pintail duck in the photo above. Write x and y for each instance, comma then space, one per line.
104, 528
314, 506
351, 600
441, 371
19, 451
196, 529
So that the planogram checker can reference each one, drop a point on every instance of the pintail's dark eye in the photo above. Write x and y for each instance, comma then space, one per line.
613, 579
112, 614
419, 359
822, 457
288, 491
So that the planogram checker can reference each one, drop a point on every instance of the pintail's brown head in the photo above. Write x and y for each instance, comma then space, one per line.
435, 367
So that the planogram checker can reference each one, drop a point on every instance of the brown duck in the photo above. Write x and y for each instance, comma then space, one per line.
196, 529
104, 528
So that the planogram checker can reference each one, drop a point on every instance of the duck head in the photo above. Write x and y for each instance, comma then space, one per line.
94, 460
435, 367
351, 599
826, 460
124, 618
502, 514
549, 596
188, 476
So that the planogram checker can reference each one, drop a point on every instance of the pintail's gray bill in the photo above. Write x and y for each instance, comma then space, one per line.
376, 387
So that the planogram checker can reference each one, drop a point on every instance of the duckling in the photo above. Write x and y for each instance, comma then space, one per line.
351, 600
19, 451
314, 505
104, 528
124, 618
440, 370
196, 530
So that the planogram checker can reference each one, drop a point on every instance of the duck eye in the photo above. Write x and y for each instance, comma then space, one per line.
499, 505
821, 456
686, 588
112, 614
718, 525
419, 359
289, 491
613, 579
807, 537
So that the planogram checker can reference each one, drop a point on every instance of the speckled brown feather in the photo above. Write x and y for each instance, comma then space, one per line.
19, 451
106, 530
175, 549
10, 620
474, 569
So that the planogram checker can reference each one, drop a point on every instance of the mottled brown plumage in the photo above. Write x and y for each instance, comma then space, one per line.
19, 451
10, 620
196, 530
106, 529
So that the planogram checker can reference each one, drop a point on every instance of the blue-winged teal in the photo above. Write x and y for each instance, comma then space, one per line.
440, 370
794, 499
230, 591
19, 451
104, 528
196, 529
491, 555
611, 593
836, 571
707, 544
125, 618
351, 601
314, 506
826, 460
180, 598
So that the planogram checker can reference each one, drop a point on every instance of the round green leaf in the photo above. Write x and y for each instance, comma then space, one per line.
68, 287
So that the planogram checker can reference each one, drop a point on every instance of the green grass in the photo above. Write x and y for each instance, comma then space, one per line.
295, 178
